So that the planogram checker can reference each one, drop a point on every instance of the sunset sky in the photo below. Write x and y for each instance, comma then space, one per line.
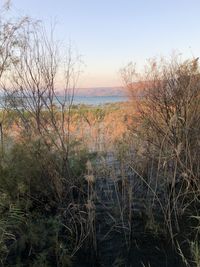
110, 33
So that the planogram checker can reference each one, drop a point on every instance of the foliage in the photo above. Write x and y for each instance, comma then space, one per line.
33, 223
167, 94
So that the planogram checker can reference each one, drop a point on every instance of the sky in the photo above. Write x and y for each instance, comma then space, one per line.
110, 33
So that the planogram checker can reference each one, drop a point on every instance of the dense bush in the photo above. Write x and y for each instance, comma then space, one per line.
34, 227
167, 144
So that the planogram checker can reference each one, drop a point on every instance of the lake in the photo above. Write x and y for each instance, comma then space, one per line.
98, 100
87, 100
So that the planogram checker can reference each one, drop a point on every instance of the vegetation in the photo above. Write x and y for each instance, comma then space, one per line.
169, 133
84, 185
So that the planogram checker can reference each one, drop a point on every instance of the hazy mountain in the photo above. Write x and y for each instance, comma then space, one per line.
136, 88
101, 91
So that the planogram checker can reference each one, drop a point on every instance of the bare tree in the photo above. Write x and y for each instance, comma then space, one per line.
36, 73
169, 112
10, 33
38, 80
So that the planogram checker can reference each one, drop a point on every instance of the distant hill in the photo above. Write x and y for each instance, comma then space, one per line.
101, 91
134, 89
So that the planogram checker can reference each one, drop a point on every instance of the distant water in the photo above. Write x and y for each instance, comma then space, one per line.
98, 100
87, 100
